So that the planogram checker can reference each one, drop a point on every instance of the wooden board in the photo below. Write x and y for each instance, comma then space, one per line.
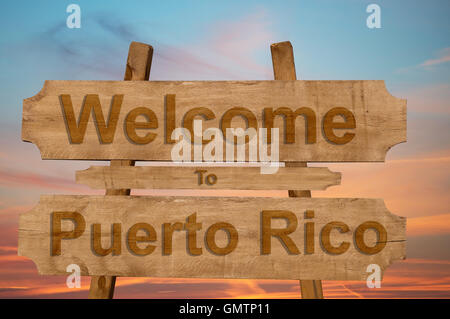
244, 253
245, 178
374, 119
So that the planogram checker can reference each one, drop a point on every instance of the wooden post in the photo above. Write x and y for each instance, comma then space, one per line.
284, 69
137, 69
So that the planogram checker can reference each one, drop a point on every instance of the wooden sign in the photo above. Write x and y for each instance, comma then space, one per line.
207, 237
318, 121
244, 178
212, 237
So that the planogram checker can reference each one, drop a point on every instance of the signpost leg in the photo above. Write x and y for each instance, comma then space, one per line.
137, 69
284, 69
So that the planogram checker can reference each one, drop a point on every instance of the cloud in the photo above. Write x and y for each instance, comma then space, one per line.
100, 50
239, 41
12, 211
32, 180
429, 225
432, 99
412, 187
443, 57
171, 62
110, 24
428, 246
173, 57
67, 53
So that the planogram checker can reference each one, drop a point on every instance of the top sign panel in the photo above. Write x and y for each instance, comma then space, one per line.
317, 121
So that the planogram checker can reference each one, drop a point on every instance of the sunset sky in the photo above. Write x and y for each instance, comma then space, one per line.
230, 40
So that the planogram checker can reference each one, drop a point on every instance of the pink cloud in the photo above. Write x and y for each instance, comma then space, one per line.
429, 225
413, 187
428, 99
239, 40
28, 179
443, 56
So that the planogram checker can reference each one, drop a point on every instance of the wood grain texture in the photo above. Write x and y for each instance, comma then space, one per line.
138, 67
284, 69
245, 214
244, 178
283, 61
311, 289
380, 118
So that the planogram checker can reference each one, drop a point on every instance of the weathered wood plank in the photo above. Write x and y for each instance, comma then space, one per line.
52, 121
244, 178
197, 251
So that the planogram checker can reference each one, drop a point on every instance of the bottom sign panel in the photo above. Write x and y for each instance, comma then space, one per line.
212, 237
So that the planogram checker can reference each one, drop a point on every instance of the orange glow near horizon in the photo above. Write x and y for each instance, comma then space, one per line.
407, 279
414, 188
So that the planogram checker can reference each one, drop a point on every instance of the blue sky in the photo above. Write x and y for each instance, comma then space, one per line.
229, 40
330, 39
